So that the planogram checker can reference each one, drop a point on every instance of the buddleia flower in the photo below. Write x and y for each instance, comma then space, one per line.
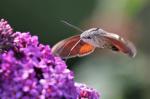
28, 70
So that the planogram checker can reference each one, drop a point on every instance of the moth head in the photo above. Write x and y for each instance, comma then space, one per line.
90, 36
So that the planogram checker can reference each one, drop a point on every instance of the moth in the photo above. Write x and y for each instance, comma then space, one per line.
89, 40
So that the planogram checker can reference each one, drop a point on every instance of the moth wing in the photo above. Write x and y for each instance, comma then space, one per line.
85, 49
121, 44
63, 47
72, 47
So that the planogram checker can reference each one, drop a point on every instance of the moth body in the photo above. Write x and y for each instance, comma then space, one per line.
86, 42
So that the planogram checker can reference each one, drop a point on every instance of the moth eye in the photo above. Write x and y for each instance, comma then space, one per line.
88, 37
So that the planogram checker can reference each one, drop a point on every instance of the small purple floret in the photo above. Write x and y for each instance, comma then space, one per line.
28, 70
86, 92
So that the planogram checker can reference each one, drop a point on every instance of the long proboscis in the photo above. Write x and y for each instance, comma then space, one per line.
71, 25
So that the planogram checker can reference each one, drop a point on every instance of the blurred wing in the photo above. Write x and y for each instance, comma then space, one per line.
85, 49
120, 44
72, 47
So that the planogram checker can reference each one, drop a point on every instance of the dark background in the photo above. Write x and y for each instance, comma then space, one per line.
114, 75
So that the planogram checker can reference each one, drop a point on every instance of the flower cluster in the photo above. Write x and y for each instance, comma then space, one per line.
28, 70
86, 92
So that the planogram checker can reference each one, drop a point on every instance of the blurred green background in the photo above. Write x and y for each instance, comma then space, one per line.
114, 75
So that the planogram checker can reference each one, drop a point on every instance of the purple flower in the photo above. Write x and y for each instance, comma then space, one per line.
86, 92
28, 70
6, 36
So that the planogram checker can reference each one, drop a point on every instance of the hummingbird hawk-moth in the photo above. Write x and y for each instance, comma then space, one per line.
87, 41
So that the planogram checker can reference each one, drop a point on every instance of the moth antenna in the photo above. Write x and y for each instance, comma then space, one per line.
71, 25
